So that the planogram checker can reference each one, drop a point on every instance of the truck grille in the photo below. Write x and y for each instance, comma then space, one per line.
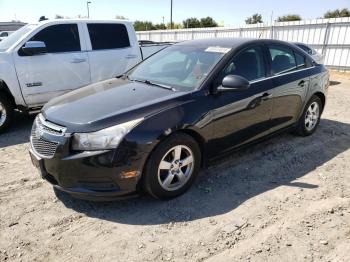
41, 146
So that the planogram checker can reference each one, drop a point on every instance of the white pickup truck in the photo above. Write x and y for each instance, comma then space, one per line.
44, 60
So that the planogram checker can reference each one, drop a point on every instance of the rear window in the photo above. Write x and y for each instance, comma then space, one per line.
108, 36
306, 49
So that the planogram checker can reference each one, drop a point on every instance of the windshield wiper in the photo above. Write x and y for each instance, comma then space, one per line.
148, 82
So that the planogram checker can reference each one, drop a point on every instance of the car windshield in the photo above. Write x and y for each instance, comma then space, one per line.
181, 67
13, 38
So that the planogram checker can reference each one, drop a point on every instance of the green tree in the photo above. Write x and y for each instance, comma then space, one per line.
208, 22
143, 25
160, 26
254, 19
191, 23
175, 26
287, 18
59, 17
337, 13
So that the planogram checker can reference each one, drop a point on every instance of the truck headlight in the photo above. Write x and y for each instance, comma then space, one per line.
108, 138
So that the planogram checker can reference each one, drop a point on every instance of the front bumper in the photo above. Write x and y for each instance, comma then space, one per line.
91, 176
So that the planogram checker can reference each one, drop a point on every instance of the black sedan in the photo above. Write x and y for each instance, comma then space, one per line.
153, 128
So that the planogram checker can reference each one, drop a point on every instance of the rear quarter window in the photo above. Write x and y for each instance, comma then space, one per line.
108, 36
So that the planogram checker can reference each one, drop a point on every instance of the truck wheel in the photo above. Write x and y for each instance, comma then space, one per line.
6, 112
172, 167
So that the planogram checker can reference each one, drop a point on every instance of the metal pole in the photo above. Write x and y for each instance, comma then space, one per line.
87, 6
171, 14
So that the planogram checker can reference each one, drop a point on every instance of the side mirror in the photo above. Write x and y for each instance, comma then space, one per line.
232, 83
34, 48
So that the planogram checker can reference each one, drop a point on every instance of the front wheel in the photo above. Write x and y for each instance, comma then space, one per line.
172, 167
6, 112
310, 118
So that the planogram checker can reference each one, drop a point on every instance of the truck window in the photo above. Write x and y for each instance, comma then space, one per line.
108, 36
59, 38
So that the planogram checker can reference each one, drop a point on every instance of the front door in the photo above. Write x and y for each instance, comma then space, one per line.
63, 68
243, 116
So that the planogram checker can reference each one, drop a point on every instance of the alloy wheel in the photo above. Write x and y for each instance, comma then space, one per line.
312, 115
176, 168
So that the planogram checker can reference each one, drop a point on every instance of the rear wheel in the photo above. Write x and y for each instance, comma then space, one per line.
6, 112
172, 167
310, 118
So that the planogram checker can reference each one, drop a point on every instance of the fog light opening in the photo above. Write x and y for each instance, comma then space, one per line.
129, 174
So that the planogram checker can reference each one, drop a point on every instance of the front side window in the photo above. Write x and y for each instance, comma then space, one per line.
59, 38
282, 59
182, 67
248, 63
108, 36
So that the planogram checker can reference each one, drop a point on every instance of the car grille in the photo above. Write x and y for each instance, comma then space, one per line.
42, 146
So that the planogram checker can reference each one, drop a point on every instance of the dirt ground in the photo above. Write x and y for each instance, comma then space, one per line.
286, 199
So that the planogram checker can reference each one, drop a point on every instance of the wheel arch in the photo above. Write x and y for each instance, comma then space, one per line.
5, 90
322, 97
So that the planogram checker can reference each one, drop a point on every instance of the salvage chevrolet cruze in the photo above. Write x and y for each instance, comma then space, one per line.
154, 127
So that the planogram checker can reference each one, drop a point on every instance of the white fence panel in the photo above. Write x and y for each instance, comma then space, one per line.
331, 37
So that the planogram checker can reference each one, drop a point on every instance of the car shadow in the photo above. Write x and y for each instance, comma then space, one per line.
19, 131
238, 177
334, 83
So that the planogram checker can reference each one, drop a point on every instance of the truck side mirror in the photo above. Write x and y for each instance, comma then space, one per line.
31, 48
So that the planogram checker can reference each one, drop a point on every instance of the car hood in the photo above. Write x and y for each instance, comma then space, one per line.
109, 103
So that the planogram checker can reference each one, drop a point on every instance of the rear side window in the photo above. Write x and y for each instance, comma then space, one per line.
282, 59
301, 61
59, 38
108, 36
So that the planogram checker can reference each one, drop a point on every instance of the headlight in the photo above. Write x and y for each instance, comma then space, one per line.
108, 138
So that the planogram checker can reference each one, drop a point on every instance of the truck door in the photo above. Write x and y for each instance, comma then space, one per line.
63, 68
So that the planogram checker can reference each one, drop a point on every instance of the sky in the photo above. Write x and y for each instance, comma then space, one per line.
225, 12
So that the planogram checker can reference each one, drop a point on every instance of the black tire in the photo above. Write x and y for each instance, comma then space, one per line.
8, 109
151, 183
301, 129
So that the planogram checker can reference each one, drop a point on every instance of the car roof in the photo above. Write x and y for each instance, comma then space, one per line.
230, 42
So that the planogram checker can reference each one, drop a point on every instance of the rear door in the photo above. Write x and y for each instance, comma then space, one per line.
63, 68
112, 50
243, 116
290, 76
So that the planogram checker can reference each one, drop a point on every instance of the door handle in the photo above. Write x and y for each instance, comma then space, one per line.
131, 56
78, 60
266, 96
301, 83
